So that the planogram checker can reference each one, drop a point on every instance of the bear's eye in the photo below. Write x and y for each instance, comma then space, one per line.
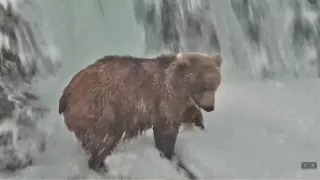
198, 96
209, 87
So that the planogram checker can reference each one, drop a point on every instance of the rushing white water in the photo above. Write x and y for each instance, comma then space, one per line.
23, 57
259, 130
259, 38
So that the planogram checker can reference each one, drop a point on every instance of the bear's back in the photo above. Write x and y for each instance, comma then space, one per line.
112, 78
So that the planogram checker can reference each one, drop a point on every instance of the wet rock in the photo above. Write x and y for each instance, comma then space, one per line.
15, 161
24, 133
30, 96
42, 146
313, 2
25, 120
17, 153
6, 138
6, 106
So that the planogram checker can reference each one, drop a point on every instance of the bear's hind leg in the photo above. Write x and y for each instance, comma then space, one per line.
165, 137
99, 148
99, 154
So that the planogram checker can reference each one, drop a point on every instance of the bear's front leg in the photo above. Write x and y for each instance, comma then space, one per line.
165, 136
198, 119
193, 115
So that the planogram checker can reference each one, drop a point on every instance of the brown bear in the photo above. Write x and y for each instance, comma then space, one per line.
122, 96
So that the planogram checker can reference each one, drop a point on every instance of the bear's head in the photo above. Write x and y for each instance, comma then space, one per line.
202, 76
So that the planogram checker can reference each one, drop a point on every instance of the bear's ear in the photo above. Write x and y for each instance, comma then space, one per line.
193, 59
182, 59
217, 60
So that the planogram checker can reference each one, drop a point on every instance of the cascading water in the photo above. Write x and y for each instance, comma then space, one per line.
257, 38
22, 58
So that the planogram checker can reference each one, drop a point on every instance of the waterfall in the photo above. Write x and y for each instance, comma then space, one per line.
259, 39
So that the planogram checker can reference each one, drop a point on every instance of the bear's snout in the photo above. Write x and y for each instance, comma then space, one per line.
208, 109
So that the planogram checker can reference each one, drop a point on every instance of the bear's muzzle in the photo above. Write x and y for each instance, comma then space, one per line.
208, 109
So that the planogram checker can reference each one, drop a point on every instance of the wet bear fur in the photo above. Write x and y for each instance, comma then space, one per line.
119, 97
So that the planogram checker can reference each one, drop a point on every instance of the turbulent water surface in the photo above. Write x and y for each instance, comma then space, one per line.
267, 117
